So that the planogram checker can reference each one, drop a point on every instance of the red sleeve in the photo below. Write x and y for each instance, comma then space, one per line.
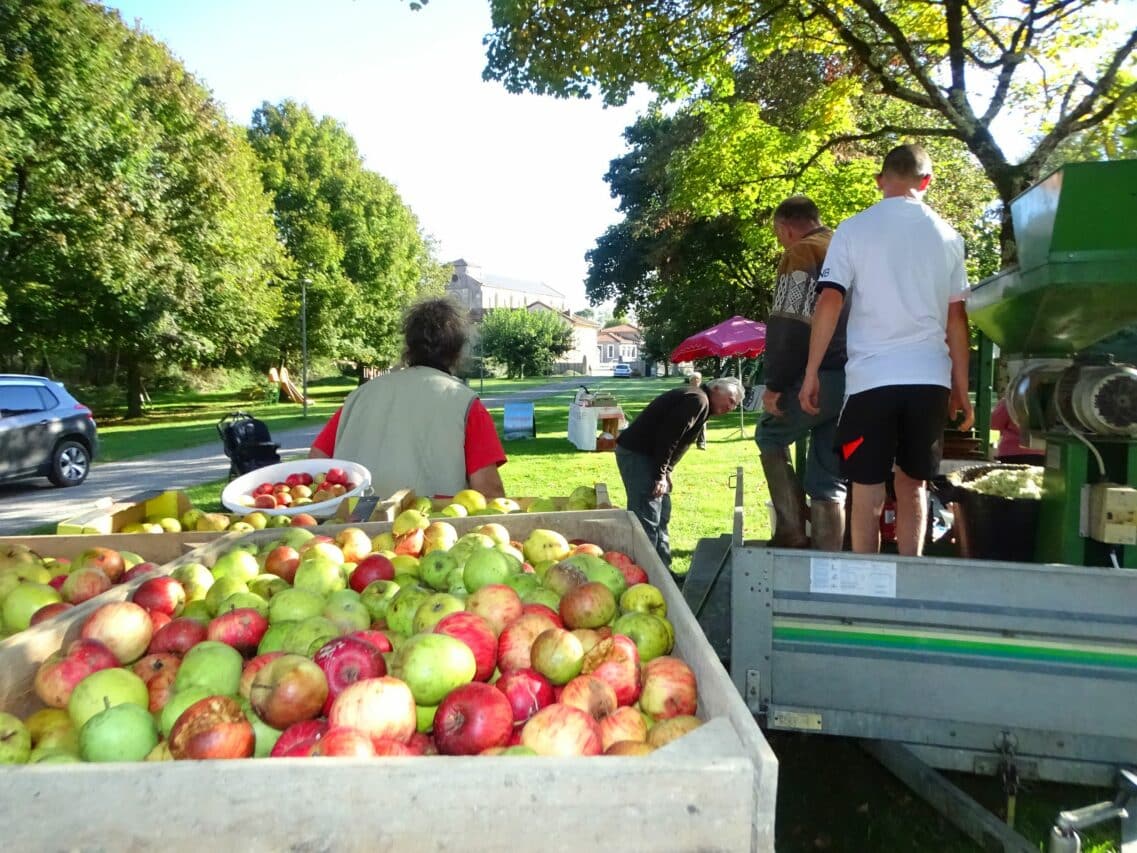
1000, 417
326, 440
483, 447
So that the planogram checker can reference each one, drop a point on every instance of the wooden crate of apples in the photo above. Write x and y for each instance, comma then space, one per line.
417, 638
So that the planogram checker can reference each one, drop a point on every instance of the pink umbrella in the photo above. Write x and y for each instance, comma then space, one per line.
736, 336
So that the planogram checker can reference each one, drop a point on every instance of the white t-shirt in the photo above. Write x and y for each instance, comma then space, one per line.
900, 265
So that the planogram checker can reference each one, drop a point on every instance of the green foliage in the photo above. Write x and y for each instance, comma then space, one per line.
132, 222
526, 342
347, 232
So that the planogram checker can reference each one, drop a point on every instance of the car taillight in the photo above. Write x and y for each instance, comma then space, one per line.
79, 407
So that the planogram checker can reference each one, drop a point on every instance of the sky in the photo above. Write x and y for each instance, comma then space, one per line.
514, 183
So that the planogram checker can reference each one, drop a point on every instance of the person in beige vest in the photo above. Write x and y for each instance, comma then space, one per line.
420, 427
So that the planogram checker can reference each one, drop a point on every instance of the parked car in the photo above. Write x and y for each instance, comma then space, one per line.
622, 370
44, 431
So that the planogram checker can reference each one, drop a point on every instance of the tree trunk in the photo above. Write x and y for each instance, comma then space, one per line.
133, 388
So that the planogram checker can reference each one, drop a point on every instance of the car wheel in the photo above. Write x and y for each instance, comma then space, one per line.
70, 463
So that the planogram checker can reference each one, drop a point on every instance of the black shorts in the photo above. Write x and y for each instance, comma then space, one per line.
901, 424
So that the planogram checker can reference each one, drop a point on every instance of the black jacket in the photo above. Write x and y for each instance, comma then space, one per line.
668, 426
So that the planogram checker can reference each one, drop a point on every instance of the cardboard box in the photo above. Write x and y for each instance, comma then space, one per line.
112, 516
713, 789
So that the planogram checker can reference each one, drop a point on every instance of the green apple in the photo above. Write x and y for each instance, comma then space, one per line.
342, 595
348, 615
543, 595
643, 598
471, 499
486, 566
221, 590
211, 665
424, 717
456, 582
21, 604
266, 735
258, 520
273, 639
422, 504
406, 564
294, 537
545, 545
195, 579
241, 526
61, 738
434, 608
455, 511
308, 636
130, 559
543, 505
266, 586
103, 689
504, 505
651, 636
275, 521
432, 665
601, 571
377, 596
240, 600
522, 583
15, 740
237, 563
401, 611
319, 574
118, 733
294, 605
198, 611
190, 518
435, 568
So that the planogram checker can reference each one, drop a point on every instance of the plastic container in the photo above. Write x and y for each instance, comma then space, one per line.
245, 484
990, 527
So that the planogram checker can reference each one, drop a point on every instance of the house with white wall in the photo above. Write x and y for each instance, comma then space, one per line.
480, 291
621, 344
583, 356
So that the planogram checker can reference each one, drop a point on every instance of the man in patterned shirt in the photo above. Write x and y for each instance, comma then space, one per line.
798, 228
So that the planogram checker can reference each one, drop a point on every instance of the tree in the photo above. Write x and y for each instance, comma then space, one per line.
347, 232
586, 313
1064, 69
132, 224
526, 342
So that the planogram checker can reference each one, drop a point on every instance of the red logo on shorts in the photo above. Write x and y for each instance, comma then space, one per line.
850, 447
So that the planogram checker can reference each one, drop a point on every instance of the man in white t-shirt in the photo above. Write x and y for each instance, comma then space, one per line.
901, 268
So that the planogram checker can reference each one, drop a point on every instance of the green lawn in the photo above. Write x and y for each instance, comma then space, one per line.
831, 796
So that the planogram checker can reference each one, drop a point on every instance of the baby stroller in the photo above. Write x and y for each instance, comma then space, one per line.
247, 443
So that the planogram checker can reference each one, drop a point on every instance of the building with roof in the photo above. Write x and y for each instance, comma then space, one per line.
620, 344
480, 291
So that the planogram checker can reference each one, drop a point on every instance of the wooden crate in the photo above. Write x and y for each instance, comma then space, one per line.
109, 516
714, 789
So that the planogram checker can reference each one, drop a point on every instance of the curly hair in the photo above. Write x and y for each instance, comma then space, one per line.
435, 331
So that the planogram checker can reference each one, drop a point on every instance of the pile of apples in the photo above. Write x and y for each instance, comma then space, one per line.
415, 642
34, 588
301, 489
472, 502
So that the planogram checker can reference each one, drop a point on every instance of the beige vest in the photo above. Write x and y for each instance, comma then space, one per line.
409, 429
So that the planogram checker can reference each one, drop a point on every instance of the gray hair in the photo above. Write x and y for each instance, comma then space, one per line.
730, 385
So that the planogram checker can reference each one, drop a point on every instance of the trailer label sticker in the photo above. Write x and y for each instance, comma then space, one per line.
834, 576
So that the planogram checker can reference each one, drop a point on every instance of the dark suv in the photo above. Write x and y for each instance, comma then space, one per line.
44, 431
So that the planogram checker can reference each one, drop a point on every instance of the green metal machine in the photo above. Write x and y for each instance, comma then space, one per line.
1065, 320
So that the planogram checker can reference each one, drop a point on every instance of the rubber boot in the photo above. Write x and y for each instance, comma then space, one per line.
788, 498
827, 525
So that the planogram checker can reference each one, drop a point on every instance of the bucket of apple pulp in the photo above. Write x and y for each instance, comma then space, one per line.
313, 486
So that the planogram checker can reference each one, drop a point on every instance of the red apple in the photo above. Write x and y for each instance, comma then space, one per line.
632, 573
543, 610
307, 732
343, 742
158, 621
293, 480
137, 571
122, 626
591, 605
162, 594
527, 691
107, 559
152, 665
616, 660
589, 548
375, 637
472, 718
48, 611
57, 582
389, 746
665, 731
282, 562
263, 489
515, 642
346, 660
476, 633
410, 543
265, 502
591, 695
669, 688
629, 748
84, 584
380, 707
561, 730
251, 668
213, 727
623, 724
304, 519
287, 690
242, 628
497, 603
421, 744
335, 475
373, 567
58, 675
178, 636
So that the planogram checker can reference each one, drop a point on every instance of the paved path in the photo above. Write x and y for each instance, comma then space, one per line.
27, 504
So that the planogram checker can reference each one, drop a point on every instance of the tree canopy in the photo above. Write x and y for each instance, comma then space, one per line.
525, 342
1064, 69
